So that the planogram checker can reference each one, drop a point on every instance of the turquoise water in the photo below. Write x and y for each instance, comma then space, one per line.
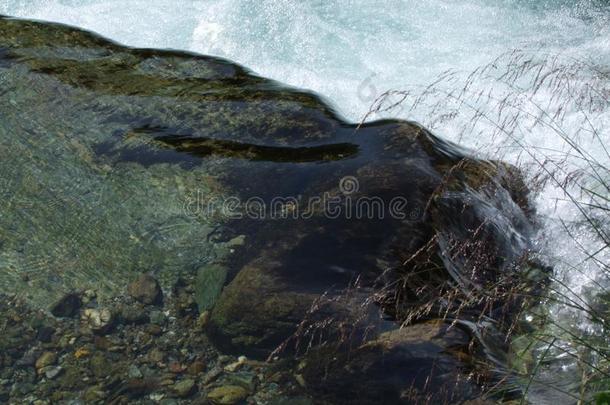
347, 50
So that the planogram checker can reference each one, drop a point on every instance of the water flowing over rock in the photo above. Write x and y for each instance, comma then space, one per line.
324, 234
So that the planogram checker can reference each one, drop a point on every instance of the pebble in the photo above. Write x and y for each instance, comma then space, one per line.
176, 367
81, 352
243, 379
156, 356
134, 372
67, 306
146, 290
102, 343
154, 330
213, 374
46, 359
45, 334
100, 366
52, 372
203, 320
134, 314
196, 367
157, 318
300, 380
227, 395
184, 388
100, 321
231, 368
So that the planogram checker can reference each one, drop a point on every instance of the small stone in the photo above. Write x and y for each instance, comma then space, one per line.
134, 372
134, 314
156, 356
154, 330
100, 321
167, 381
89, 296
231, 368
196, 367
52, 372
94, 394
46, 359
102, 343
100, 366
81, 352
45, 334
243, 379
67, 306
176, 367
184, 388
203, 319
157, 318
213, 374
227, 395
145, 289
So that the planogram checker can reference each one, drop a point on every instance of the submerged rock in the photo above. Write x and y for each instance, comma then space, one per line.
100, 321
146, 289
184, 388
227, 395
52, 372
68, 306
46, 359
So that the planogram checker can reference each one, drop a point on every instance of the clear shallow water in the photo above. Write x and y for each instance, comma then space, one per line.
351, 51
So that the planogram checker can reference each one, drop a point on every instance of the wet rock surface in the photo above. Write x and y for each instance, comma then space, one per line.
67, 306
146, 289
376, 225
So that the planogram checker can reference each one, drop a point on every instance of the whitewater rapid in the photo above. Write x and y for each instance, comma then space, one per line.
351, 51
346, 50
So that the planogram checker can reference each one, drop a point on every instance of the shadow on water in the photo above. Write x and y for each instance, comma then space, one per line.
348, 232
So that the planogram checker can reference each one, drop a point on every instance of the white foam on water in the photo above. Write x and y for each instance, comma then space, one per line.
351, 51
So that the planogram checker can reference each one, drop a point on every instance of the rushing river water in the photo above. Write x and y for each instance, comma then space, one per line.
351, 52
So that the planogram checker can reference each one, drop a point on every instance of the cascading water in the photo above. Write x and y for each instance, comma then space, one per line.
353, 51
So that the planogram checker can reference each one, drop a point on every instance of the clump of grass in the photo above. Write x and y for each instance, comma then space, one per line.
548, 115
